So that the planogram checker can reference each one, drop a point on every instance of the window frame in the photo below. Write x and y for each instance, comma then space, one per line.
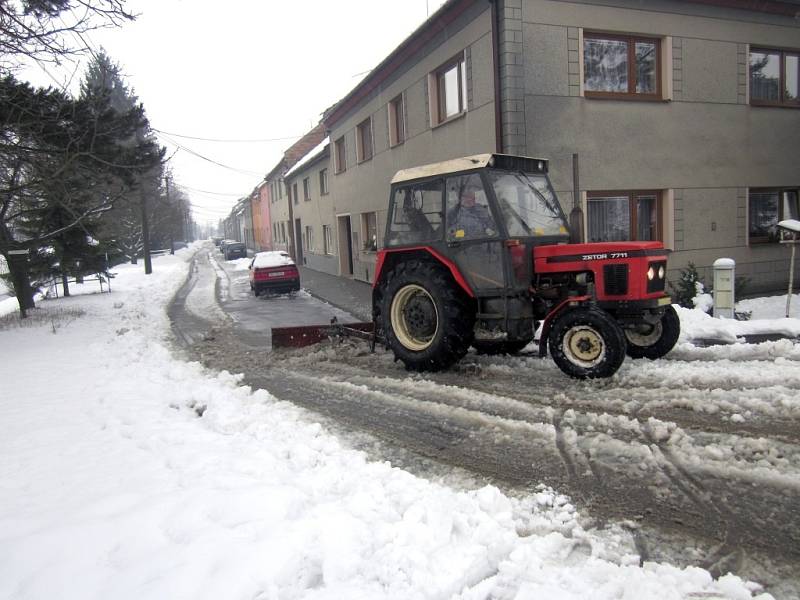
339, 156
766, 239
437, 99
364, 141
306, 189
397, 121
323, 182
632, 197
294, 193
781, 81
327, 240
631, 40
365, 234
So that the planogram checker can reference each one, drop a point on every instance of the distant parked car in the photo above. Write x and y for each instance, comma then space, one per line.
275, 272
224, 243
235, 250
216, 239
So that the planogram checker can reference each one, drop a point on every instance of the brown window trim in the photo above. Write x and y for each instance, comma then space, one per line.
361, 128
781, 103
632, 194
339, 161
456, 61
658, 96
396, 107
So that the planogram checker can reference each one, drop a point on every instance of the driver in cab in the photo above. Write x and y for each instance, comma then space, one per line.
470, 218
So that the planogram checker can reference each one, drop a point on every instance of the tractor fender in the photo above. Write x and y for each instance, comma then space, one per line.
450, 265
553, 314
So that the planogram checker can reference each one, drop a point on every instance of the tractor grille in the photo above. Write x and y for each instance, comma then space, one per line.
616, 279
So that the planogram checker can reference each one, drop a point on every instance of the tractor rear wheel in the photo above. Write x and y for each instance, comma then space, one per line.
656, 340
587, 343
493, 348
426, 319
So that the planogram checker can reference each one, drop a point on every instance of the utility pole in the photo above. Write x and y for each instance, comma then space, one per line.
148, 264
169, 207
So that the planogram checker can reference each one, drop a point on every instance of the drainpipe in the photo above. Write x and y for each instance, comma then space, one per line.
576, 214
292, 241
498, 121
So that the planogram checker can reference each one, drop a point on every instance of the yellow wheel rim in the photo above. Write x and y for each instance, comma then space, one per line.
414, 317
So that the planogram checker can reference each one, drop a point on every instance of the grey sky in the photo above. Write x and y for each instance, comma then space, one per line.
244, 70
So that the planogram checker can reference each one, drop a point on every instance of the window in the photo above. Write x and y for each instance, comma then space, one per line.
364, 140
323, 182
283, 233
339, 157
369, 229
397, 122
327, 237
766, 208
622, 216
306, 189
619, 66
448, 90
774, 76
416, 214
308, 239
294, 193
280, 189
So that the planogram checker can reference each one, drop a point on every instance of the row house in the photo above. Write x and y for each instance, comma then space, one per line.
684, 115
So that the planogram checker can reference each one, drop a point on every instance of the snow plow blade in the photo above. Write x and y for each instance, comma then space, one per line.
306, 335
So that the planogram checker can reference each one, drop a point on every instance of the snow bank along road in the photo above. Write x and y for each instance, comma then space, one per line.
698, 454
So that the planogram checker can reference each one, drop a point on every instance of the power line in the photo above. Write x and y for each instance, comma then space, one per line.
229, 141
205, 158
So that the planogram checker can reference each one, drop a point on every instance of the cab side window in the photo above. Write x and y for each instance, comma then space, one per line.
416, 215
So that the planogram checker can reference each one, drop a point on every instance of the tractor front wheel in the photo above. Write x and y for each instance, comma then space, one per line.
654, 341
428, 322
587, 343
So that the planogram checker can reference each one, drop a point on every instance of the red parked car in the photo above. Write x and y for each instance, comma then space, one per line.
275, 272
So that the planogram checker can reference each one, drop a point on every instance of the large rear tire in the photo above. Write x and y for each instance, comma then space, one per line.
426, 319
494, 348
586, 343
657, 340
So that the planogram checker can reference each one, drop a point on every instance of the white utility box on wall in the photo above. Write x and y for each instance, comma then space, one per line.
724, 277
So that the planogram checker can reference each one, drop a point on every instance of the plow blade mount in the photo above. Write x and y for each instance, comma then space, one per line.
306, 335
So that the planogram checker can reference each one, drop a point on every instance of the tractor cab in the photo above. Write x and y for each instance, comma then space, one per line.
484, 212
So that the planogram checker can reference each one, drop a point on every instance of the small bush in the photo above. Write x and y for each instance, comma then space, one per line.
686, 288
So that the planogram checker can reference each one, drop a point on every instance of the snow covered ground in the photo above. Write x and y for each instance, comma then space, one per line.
128, 473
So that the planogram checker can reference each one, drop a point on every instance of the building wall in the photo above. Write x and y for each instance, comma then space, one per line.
364, 187
316, 212
705, 144
264, 226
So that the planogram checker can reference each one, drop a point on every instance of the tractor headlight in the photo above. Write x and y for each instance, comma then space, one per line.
661, 272
650, 274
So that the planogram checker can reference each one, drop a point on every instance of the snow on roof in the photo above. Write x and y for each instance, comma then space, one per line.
309, 156
276, 258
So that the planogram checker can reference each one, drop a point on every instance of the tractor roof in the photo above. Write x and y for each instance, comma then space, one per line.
467, 163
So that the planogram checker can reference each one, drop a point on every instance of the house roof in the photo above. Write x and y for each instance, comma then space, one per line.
319, 151
451, 9
298, 151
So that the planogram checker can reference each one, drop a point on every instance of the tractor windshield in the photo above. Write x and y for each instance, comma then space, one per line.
528, 204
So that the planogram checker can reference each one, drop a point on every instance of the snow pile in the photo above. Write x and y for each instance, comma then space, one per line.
130, 474
277, 258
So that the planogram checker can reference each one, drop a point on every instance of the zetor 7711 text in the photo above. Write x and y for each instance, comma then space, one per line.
476, 253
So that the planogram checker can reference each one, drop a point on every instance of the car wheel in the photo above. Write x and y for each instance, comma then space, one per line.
427, 320
587, 343
657, 340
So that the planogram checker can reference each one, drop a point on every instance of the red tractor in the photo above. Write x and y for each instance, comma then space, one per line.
477, 254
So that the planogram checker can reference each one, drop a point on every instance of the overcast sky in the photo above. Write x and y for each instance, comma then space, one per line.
245, 70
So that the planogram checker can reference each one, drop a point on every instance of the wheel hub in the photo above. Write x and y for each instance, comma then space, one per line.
584, 345
644, 335
414, 318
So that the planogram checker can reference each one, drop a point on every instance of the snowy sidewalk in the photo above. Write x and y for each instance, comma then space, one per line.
130, 474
